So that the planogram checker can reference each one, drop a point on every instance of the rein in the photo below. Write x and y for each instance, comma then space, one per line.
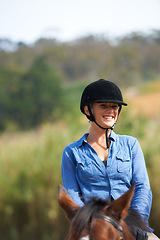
113, 222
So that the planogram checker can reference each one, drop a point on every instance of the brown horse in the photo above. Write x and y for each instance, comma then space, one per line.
100, 220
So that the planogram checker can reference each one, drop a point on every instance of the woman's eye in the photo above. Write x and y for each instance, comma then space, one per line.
115, 107
103, 105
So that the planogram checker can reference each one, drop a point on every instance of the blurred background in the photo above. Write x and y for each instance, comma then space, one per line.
49, 51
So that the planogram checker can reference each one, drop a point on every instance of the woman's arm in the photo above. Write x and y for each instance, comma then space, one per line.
68, 170
142, 199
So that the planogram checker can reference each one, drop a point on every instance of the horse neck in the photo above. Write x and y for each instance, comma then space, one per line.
126, 232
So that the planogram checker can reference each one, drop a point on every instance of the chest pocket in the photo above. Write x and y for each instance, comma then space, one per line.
84, 169
123, 163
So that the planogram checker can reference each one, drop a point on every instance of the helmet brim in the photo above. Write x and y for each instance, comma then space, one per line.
111, 101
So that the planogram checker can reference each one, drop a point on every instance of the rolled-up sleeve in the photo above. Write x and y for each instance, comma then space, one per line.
68, 170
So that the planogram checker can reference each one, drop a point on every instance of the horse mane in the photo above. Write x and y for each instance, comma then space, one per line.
82, 219
135, 222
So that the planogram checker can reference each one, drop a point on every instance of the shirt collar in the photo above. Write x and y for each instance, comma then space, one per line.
82, 139
112, 137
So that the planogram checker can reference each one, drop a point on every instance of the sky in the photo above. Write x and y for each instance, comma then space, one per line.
67, 20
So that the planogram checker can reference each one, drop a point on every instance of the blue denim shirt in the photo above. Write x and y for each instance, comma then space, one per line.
84, 173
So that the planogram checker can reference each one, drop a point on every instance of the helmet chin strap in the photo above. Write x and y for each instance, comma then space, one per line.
107, 138
92, 118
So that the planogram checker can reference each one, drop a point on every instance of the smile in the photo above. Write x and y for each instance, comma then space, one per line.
108, 117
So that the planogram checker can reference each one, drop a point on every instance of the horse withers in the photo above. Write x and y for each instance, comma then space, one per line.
101, 220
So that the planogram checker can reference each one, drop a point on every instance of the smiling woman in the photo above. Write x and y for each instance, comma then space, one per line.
105, 113
107, 94
102, 163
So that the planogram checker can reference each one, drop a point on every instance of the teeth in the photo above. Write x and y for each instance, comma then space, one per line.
108, 117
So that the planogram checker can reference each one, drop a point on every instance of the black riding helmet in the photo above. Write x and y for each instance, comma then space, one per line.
101, 91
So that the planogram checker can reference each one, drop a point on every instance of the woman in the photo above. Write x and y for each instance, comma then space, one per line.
102, 163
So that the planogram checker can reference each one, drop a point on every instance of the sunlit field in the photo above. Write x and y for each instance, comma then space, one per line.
30, 168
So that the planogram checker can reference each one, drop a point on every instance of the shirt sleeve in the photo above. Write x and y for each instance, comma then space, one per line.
142, 199
68, 171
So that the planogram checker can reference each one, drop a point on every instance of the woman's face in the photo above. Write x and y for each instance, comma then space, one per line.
105, 113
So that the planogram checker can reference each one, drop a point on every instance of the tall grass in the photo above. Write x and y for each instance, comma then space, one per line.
30, 173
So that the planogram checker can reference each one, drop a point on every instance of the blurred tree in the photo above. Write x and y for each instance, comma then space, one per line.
30, 74
38, 96
9, 86
129, 60
28, 100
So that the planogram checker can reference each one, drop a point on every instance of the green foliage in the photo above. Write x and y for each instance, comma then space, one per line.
40, 92
71, 97
30, 174
136, 124
31, 86
9, 86
32, 93
28, 100
129, 60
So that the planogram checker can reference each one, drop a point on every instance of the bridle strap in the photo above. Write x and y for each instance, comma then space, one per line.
113, 222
